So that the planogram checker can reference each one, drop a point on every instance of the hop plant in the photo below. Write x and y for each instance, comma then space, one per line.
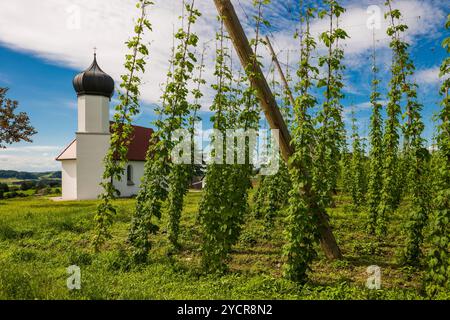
163, 179
116, 157
331, 132
375, 179
438, 274
358, 174
301, 231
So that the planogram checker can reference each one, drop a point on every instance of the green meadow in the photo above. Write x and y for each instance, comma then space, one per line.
40, 239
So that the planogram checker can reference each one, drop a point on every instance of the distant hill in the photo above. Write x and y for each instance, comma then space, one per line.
21, 175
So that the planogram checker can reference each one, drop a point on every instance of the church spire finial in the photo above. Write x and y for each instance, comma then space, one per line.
95, 52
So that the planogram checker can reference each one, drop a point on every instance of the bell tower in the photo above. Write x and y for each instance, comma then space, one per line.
94, 90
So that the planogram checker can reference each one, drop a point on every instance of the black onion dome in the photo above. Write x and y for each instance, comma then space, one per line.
94, 81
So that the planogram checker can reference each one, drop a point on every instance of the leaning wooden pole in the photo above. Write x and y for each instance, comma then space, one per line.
271, 111
280, 71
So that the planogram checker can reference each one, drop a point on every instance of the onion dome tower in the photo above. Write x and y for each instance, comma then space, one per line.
94, 89
93, 81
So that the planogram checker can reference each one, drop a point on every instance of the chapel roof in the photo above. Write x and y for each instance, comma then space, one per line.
137, 149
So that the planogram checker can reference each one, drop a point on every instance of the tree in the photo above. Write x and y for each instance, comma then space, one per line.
27, 185
4, 187
14, 127
438, 275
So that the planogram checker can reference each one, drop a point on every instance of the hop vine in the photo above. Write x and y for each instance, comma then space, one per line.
390, 194
438, 274
215, 211
270, 196
376, 150
358, 174
301, 232
331, 133
162, 178
122, 129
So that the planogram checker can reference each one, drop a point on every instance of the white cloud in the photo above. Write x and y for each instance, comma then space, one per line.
428, 76
366, 105
422, 18
48, 29
66, 31
52, 34
30, 158
361, 121
28, 149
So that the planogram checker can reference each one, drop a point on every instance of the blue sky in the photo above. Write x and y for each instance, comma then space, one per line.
41, 53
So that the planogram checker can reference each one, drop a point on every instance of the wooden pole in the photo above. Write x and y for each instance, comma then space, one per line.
272, 113
280, 71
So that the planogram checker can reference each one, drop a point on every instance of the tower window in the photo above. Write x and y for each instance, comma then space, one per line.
130, 175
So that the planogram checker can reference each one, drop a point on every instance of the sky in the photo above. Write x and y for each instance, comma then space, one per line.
44, 44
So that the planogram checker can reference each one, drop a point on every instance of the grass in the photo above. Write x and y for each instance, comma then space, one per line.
40, 238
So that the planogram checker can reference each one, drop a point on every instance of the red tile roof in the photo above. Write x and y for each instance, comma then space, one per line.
140, 142
137, 149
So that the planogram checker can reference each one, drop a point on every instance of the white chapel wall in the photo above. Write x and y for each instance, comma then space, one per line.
91, 150
69, 179
122, 185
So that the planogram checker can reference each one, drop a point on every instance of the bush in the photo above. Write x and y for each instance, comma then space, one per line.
27, 185
45, 184
11, 195
44, 191
4, 188
14, 194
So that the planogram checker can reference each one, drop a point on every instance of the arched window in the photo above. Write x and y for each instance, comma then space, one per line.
130, 175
